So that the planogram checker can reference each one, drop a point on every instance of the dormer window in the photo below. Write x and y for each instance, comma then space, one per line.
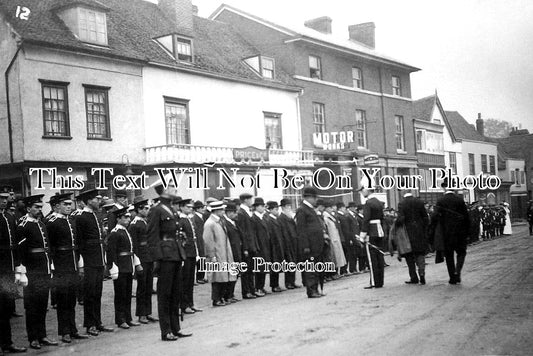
180, 48
86, 23
263, 66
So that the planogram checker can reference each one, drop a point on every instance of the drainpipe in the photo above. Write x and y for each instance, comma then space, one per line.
9, 126
384, 132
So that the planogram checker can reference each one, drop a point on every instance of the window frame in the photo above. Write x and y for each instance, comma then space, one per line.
56, 84
453, 162
396, 90
401, 133
358, 129
262, 67
277, 116
319, 69
492, 164
89, 87
472, 163
185, 103
177, 54
87, 40
486, 170
360, 80
315, 123
423, 142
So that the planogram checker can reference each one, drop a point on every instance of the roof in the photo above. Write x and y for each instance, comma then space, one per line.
298, 32
423, 108
132, 25
518, 146
461, 129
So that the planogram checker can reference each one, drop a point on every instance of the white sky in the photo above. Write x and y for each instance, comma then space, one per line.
478, 54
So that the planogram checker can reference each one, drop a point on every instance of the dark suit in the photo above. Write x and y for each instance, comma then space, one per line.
260, 230
165, 251
120, 252
373, 211
8, 261
250, 248
89, 236
277, 246
310, 232
348, 226
235, 240
138, 231
186, 228
412, 214
33, 246
452, 219
198, 222
64, 254
290, 240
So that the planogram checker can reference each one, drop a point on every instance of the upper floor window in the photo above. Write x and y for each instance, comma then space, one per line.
273, 130
360, 128
400, 139
184, 49
492, 164
55, 109
97, 109
357, 77
92, 26
484, 168
471, 164
177, 121
420, 140
453, 162
315, 67
263, 66
396, 86
319, 117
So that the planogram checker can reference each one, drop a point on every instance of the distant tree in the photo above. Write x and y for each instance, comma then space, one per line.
497, 128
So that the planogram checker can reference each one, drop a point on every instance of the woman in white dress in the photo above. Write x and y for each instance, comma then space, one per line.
507, 230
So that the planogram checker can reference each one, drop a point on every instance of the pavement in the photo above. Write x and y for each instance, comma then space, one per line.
489, 313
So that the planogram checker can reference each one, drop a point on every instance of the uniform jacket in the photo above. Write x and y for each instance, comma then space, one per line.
138, 230
372, 210
290, 237
32, 234
244, 222
162, 238
9, 258
198, 222
217, 245
186, 227
452, 216
260, 231
277, 246
63, 249
310, 232
120, 250
235, 238
90, 239
412, 214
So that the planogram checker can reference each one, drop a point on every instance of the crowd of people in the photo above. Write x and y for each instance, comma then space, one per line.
84, 239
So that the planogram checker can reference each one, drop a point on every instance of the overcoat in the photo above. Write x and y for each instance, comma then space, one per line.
260, 231
217, 246
335, 239
412, 214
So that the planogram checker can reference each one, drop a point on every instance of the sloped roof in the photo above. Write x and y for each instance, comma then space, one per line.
306, 32
423, 108
461, 129
517, 146
132, 25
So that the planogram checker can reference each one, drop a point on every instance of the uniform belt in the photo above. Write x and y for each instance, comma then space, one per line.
144, 243
125, 254
65, 248
37, 250
375, 221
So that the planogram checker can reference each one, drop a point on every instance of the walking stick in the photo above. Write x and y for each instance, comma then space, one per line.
370, 264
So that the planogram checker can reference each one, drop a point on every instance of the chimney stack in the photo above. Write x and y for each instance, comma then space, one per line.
480, 127
180, 11
321, 24
364, 33
195, 10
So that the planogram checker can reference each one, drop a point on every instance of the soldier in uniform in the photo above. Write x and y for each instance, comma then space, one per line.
63, 251
260, 230
168, 257
90, 245
310, 232
290, 240
250, 245
197, 218
121, 198
277, 246
9, 261
372, 232
32, 238
138, 231
122, 263
186, 229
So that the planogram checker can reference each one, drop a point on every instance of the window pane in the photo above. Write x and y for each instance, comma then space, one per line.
55, 114
92, 26
97, 118
273, 131
176, 122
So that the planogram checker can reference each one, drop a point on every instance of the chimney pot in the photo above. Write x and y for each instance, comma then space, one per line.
480, 125
364, 33
320, 24
195, 10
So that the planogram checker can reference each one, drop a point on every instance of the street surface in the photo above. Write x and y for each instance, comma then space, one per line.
490, 313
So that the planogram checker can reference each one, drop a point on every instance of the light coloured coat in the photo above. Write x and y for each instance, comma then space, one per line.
336, 246
217, 244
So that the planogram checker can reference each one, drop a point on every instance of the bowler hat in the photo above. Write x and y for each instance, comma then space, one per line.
231, 207
258, 201
309, 192
245, 196
285, 202
198, 204
272, 204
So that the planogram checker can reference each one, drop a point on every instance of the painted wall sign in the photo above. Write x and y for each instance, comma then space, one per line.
250, 153
335, 140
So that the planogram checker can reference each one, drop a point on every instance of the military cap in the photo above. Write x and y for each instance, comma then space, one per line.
137, 203
285, 202
245, 196
258, 201
272, 204
33, 200
120, 212
4, 195
340, 205
352, 204
309, 192
231, 207
328, 204
88, 195
6, 189
176, 199
121, 193
183, 202
58, 198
